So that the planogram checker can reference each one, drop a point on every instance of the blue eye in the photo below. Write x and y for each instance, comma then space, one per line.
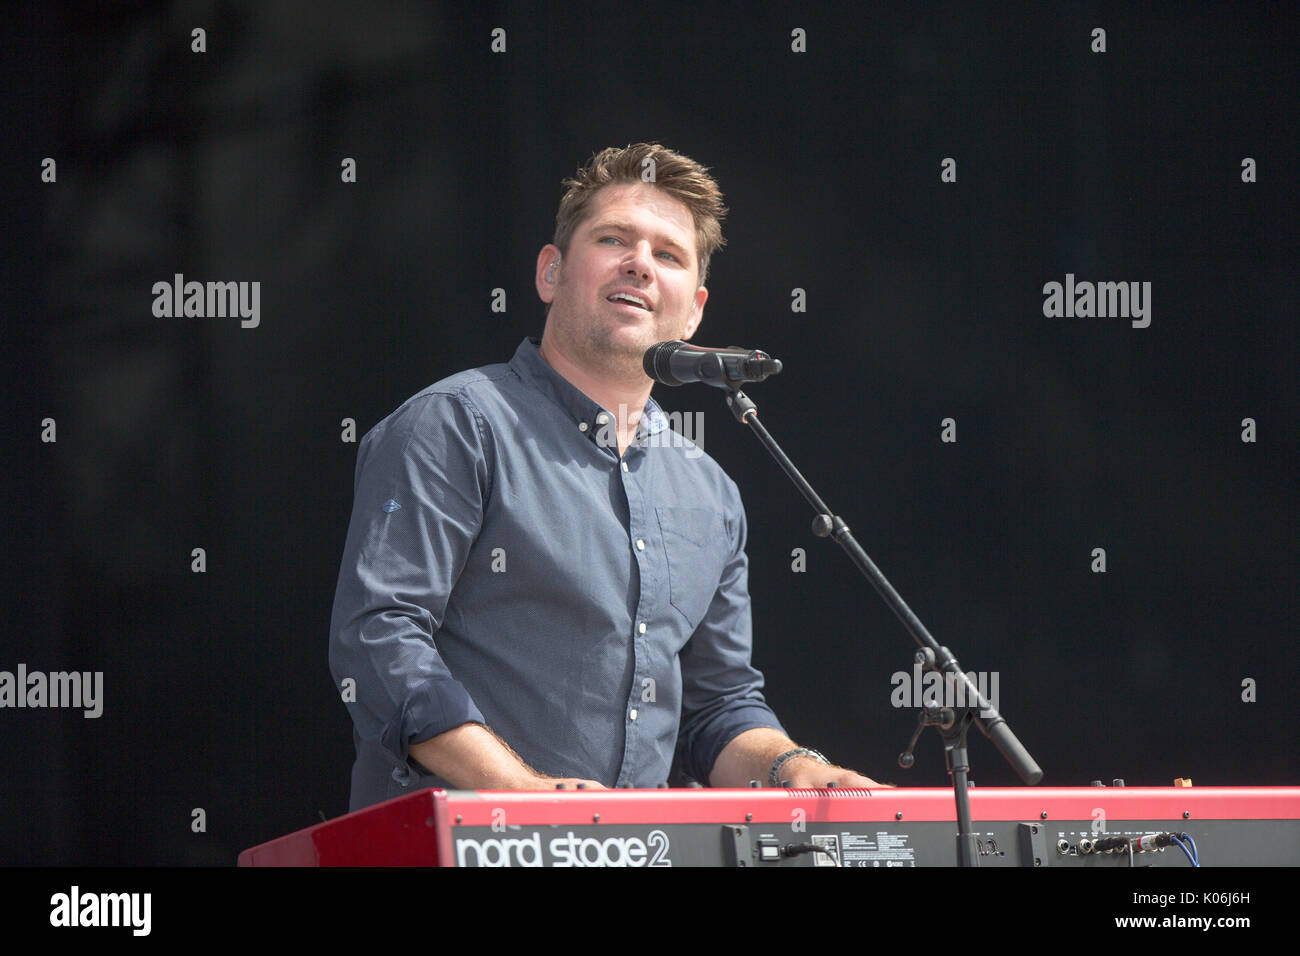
670, 255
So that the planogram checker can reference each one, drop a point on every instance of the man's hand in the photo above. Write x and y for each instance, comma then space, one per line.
564, 783
805, 772
750, 755
471, 757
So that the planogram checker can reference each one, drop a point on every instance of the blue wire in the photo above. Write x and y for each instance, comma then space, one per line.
1190, 858
1196, 856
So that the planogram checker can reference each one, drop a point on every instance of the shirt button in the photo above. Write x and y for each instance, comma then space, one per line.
641, 628
582, 426
625, 466
602, 419
632, 713
640, 545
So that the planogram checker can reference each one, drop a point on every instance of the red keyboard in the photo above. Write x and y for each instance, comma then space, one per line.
1035, 827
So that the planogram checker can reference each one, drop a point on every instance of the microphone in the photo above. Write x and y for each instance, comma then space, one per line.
676, 363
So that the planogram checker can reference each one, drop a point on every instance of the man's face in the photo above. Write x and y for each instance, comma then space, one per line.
636, 240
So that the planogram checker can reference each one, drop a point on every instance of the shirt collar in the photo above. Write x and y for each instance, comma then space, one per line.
581, 410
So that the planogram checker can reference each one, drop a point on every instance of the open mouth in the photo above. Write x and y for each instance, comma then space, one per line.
630, 300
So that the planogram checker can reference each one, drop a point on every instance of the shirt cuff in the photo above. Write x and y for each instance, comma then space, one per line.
707, 743
441, 704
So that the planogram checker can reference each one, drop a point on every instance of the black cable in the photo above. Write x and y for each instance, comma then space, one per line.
798, 849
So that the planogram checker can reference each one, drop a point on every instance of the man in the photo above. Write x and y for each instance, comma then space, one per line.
541, 586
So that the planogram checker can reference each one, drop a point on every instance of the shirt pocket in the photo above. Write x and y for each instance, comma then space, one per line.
696, 546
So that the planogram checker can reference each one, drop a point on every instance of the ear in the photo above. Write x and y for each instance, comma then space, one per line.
549, 256
697, 313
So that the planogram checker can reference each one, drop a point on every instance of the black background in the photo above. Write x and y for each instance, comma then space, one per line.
924, 301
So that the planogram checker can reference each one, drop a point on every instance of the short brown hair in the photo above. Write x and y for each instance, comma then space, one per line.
680, 176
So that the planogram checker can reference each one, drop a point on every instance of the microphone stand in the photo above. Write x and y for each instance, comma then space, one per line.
932, 656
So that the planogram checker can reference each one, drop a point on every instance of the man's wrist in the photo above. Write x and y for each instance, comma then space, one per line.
472, 757
773, 776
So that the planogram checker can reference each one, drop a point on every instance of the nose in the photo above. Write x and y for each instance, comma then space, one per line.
638, 262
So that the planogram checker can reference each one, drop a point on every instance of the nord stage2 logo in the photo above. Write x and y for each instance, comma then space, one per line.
567, 850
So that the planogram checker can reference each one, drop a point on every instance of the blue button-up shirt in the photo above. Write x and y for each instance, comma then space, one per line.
504, 565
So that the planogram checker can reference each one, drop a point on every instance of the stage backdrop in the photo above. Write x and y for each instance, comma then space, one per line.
1031, 273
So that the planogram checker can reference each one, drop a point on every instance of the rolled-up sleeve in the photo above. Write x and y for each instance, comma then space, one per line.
721, 689
422, 478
